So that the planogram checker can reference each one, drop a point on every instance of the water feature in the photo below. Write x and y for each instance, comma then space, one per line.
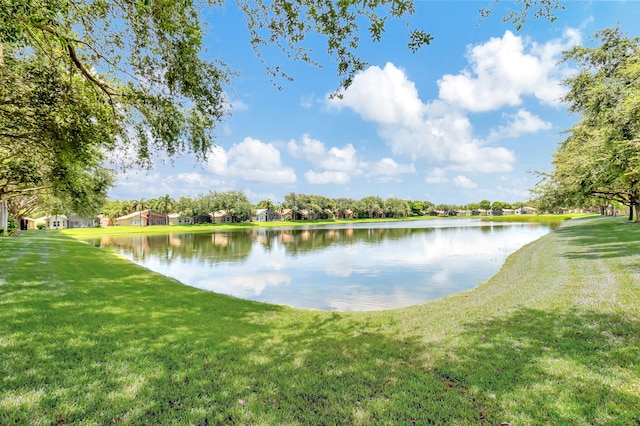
335, 267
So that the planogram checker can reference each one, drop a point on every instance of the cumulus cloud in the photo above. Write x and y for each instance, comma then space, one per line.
383, 95
389, 167
251, 160
520, 123
505, 69
133, 183
437, 175
501, 73
338, 165
464, 182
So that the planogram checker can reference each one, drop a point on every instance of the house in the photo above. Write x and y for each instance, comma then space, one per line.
286, 214
105, 220
526, 210
500, 212
76, 221
301, 215
202, 218
179, 219
344, 214
221, 216
57, 221
480, 212
28, 223
266, 215
142, 218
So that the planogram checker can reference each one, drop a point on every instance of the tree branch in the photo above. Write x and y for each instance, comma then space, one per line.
74, 57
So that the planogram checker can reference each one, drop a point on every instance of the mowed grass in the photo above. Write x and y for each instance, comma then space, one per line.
554, 337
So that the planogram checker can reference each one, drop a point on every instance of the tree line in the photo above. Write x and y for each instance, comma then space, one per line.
238, 206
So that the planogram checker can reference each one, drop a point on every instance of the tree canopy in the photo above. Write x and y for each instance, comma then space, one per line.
600, 158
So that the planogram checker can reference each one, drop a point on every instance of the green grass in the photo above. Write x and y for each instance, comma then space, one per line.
554, 337
545, 218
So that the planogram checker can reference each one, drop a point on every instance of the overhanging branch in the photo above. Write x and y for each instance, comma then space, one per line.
74, 58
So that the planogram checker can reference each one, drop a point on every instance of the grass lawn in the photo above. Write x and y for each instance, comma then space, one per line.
89, 338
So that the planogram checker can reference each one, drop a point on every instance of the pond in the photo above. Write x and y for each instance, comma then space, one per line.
357, 267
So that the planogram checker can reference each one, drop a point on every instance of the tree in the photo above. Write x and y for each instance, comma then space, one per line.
51, 125
395, 207
600, 158
265, 204
500, 205
372, 207
417, 207
345, 208
485, 205
235, 203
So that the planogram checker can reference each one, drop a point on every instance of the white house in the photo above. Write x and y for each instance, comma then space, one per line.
57, 221
178, 219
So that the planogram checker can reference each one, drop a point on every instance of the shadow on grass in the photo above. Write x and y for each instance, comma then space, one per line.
539, 367
601, 238
90, 338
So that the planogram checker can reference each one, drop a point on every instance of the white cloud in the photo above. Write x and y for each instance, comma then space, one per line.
310, 149
503, 70
464, 182
137, 183
318, 178
251, 160
383, 95
341, 159
520, 123
389, 167
473, 157
437, 175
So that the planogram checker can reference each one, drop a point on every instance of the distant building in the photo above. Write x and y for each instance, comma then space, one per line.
142, 218
266, 215
178, 219
526, 210
76, 221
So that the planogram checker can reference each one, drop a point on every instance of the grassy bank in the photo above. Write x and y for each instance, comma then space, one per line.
544, 218
86, 337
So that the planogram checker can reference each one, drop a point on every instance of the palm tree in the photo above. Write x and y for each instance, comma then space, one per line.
165, 203
138, 205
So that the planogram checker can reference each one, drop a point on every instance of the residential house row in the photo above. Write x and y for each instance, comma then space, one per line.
154, 218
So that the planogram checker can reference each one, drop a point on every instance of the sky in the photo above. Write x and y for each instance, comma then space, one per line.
470, 117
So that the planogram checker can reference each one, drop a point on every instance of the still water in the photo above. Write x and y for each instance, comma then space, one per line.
336, 267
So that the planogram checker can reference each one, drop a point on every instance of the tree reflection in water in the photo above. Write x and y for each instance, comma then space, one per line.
360, 267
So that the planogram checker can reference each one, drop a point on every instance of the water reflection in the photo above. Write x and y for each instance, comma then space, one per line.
359, 267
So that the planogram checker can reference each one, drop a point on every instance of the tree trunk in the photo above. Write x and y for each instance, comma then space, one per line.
4, 216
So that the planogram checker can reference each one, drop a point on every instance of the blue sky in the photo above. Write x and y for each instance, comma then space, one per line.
464, 119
